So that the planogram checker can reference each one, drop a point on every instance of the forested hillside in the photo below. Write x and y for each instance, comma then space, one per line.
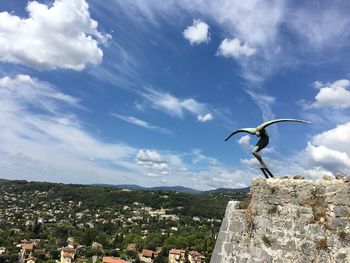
62, 214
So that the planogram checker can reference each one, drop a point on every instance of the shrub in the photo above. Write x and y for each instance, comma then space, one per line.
266, 241
321, 244
342, 234
273, 209
245, 202
319, 207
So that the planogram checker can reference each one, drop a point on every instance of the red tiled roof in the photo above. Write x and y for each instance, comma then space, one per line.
147, 253
67, 254
68, 249
131, 246
195, 253
177, 251
28, 246
112, 260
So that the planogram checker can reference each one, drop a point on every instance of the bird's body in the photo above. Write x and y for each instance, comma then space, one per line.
261, 132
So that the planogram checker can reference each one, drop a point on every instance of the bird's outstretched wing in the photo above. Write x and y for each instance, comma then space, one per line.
265, 124
248, 130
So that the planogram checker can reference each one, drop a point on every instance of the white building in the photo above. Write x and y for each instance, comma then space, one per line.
67, 255
176, 256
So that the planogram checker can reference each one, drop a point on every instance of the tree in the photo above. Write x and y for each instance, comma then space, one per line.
54, 253
88, 237
102, 238
131, 253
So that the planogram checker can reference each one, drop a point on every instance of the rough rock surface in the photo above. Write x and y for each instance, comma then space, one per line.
288, 220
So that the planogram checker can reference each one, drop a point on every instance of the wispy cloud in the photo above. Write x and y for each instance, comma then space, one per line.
264, 102
204, 118
174, 106
313, 27
141, 123
320, 25
42, 139
39, 127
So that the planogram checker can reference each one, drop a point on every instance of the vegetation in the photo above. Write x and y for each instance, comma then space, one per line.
61, 214
273, 209
245, 202
321, 244
266, 241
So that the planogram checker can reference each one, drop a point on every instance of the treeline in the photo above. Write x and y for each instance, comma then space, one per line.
210, 205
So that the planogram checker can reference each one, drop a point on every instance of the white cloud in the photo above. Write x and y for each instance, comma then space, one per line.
328, 158
42, 139
328, 151
39, 131
334, 95
31, 91
59, 36
337, 138
235, 49
223, 177
197, 33
142, 123
320, 24
283, 34
153, 162
250, 163
205, 118
244, 142
174, 106
198, 157
149, 156
254, 22
264, 102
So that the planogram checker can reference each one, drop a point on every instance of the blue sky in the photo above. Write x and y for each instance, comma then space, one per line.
144, 92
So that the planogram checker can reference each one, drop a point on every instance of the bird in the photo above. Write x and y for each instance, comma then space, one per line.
261, 132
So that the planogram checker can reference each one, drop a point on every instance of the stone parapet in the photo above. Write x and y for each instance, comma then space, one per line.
288, 220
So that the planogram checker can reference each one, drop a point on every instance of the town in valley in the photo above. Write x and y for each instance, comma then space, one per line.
47, 222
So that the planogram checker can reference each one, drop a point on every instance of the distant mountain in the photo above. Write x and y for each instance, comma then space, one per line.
227, 190
178, 188
129, 186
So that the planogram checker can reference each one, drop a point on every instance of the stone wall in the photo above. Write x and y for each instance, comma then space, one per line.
288, 220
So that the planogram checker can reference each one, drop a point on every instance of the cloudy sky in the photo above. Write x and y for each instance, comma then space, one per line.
144, 92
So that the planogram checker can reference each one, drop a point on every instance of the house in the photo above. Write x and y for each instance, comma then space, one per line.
147, 255
96, 245
26, 251
2, 250
112, 260
195, 257
31, 260
67, 255
176, 256
131, 247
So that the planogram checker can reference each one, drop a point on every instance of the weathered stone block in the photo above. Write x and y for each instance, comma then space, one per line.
341, 211
311, 223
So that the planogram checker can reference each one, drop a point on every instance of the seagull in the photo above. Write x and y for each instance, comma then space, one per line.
261, 132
